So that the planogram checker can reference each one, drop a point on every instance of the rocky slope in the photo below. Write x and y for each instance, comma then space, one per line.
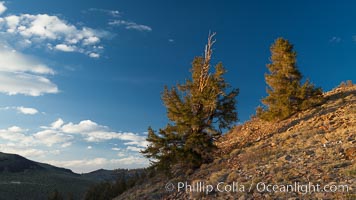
311, 155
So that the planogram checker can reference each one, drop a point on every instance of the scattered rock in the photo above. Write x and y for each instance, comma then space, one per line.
342, 165
309, 152
350, 153
288, 157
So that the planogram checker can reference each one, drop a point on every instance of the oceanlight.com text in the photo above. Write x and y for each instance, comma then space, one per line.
262, 187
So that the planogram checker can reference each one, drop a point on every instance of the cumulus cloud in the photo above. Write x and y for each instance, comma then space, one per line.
80, 166
94, 55
67, 144
16, 141
137, 160
27, 111
2, 7
51, 137
13, 61
93, 132
57, 124
17, 134
136, 149
64, 47
61, 134
23, 74
88, 165
27, 84
22, 110
52, 32
85, 126
21, 138
26, 152
130, 25
19, 141
121, 154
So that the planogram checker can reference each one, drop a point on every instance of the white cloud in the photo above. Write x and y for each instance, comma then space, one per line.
93, 132
80, 166
134, 139
12, 21
88, 165
60, 134
27, 111
84, 126
130, 25
64, 47
121, 154
97, 136
48, 137
67, 144
55, 152
91, 40
137, 160
17, 134
136, 149
51, 137
94, 55
2, 7
57, 124
27, 84
22, 110
72, 163
47, 31
113, 13
25, 152
13, 61
22, 74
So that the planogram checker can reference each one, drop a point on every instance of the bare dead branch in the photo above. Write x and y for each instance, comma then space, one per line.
204, 76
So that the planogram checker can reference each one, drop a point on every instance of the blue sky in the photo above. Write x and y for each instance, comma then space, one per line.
80, 81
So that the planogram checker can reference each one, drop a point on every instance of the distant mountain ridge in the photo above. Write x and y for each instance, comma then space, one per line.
24, 179
15, 163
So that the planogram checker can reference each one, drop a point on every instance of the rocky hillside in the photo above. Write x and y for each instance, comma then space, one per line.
311, 155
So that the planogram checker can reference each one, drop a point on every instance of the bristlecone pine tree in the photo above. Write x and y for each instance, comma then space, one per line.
199, 111
286, 94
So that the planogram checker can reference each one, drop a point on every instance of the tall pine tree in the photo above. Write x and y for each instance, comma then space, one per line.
198, 110
286, 95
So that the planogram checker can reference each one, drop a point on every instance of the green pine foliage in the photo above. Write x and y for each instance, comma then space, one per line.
55, 195
101, 191
198, 111
286, 94
110, 190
